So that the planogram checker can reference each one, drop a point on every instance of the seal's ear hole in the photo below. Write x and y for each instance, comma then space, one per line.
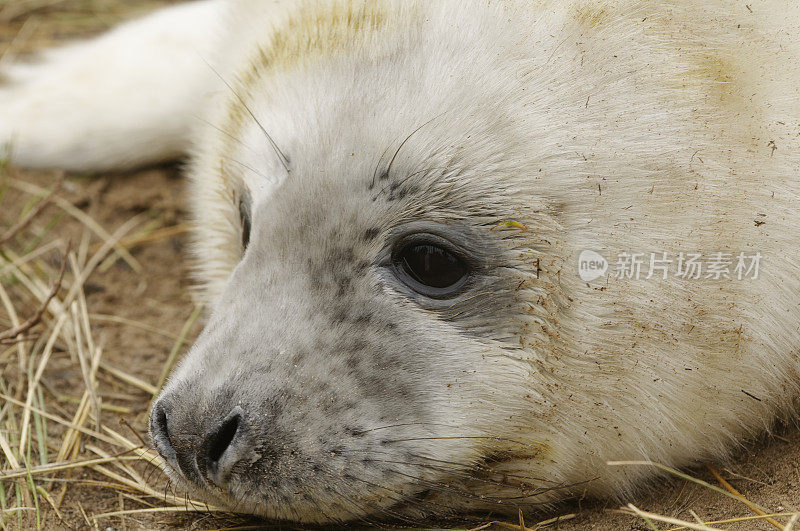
244, 218
430, 268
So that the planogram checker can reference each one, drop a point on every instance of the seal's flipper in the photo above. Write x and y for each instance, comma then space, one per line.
127, 98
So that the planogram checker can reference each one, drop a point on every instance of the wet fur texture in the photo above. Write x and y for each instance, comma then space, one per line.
523, 133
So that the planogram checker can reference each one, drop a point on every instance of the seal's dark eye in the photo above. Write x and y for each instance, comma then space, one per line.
244, 217
430, 269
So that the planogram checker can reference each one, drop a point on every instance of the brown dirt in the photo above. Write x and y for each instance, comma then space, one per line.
767, 472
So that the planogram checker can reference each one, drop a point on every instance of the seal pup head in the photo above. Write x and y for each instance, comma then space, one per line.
343, 371
397, 327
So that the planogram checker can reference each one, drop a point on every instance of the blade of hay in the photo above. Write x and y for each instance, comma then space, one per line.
129, 379
15, 322
83, 248
68, 424
31, 215
149, 235
538, 525
677, 473
145, 454
8, 452
738, 520
119, 463
88, 374
59, 467
83, 512
44, 494
752, 506
33, 255
129, 322
167, 498
103, 407
154, 510
36, 318
81, 216
93, 262
633, 510
33, 385
40, 425
72, 436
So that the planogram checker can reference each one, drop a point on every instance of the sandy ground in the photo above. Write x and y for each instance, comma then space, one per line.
767, 472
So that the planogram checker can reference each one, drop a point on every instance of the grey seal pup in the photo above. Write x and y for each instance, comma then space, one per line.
458, 254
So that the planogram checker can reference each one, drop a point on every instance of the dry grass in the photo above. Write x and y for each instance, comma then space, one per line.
44, 437
55, 443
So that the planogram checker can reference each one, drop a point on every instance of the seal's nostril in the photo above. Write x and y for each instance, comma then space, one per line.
219, 441
159, 432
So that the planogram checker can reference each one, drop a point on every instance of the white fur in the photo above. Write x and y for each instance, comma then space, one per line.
612, 126
130, 97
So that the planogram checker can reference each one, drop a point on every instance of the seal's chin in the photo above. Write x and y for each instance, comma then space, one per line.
196, 496
300, 508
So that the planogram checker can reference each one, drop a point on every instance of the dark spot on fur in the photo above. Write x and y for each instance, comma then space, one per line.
339, 316
371, 233
359, 345
364, 318
298, 358
343, 285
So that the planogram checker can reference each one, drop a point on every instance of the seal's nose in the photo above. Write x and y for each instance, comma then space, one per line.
222, 448
208, 456
159, 432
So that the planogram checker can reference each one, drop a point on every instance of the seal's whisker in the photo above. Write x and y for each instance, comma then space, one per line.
484, 468
445, 487
407, 424
313, 501
247, 167
465, 474
220, 130
464, 467
407, 177
378, 166
497, 500
408, 498
281, 156
404, 142
455, 437
462, 474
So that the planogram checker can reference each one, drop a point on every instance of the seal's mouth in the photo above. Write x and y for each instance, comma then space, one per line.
383, 479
